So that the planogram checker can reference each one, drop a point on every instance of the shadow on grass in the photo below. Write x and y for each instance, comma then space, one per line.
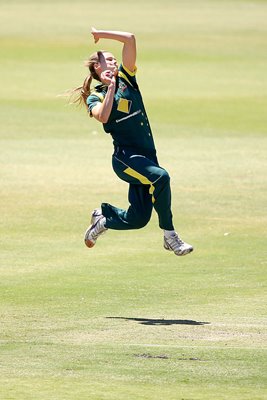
149, 321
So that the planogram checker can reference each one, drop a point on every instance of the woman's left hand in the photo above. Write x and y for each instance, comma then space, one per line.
94, 32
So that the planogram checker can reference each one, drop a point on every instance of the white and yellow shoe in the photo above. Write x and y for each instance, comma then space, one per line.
96, 228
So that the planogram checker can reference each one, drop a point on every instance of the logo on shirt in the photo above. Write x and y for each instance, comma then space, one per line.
122, 86
124, 105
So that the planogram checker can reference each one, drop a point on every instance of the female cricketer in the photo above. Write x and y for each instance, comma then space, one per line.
117, 103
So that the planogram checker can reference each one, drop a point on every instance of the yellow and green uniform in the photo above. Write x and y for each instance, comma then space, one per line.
134, 159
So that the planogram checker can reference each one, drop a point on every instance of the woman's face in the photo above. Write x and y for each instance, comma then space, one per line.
107, 61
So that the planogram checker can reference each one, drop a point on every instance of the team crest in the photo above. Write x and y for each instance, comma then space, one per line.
122, 86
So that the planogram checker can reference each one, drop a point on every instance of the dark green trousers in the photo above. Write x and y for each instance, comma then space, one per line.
149, 187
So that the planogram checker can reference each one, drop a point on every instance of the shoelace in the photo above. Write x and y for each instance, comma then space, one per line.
175, 241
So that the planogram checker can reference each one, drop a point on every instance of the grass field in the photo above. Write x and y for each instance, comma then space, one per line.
128, 320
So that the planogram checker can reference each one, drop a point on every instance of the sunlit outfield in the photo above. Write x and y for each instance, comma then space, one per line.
128, 320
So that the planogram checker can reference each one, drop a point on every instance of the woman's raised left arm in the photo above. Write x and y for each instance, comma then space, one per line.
129, 45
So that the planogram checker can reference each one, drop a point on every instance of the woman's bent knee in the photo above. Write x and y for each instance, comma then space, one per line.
140, 222
164, 179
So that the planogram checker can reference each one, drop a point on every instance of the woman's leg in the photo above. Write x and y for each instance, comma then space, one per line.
138, 213
149, 186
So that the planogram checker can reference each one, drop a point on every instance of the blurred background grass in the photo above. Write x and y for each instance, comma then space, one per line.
202, 71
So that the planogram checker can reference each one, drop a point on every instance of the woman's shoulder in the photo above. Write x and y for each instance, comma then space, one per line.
125, 70
97, 93
127, 75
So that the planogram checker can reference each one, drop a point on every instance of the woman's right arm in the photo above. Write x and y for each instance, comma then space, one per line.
102, 111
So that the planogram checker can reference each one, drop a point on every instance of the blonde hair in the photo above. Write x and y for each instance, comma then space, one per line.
81, 93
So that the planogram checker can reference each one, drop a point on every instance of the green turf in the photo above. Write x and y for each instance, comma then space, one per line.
127, 320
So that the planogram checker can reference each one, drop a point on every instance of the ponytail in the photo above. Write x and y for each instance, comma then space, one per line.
81, 93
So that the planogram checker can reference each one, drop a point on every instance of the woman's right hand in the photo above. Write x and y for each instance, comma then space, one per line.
107, 77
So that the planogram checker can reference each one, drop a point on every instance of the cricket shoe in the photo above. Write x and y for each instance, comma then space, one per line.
96, 228
177, 245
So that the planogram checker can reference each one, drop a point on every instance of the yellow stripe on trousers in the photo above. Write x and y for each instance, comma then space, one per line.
141, 178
